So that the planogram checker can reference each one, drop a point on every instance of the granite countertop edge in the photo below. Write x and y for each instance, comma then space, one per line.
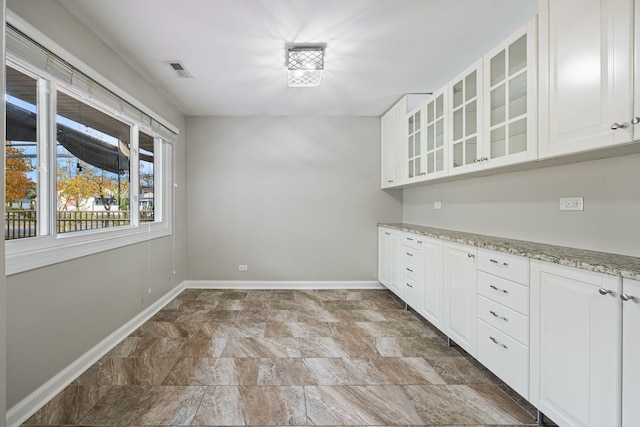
614, 264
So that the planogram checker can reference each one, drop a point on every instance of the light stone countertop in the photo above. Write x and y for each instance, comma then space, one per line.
614, 264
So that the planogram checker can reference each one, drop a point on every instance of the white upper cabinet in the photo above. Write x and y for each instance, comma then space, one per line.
392, 131
465, 124
585, 75
510, 99
435, 153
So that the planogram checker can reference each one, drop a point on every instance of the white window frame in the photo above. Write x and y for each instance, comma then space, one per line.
52, 248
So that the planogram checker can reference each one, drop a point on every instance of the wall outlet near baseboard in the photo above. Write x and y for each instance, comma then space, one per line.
243, 267
571, 204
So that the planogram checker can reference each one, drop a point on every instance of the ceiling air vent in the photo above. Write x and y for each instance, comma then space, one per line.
178, 67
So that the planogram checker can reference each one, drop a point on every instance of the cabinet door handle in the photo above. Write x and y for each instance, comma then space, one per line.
409, 270
616, 126
493, 313
498, 343
422, 173
626, 297
387, 233
409, 285
410, 239
409, 254
471, 256
604, 291
389, 181
495, 288
635, 120
501, 264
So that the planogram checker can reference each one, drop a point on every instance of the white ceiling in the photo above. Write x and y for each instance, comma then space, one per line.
377, 50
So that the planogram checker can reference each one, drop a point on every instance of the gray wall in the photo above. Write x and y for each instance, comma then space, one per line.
294, 198
525, 205
57, 313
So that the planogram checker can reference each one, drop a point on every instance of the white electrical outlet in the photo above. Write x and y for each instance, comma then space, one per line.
243, 267
437, 205
149, 290
571, 204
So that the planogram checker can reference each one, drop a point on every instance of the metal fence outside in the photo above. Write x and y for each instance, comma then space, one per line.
23, 223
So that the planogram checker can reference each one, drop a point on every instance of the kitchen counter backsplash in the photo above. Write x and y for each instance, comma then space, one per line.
617, 265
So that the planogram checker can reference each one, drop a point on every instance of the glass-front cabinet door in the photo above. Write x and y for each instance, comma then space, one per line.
510, 74
436, 134
465, 129
415, 149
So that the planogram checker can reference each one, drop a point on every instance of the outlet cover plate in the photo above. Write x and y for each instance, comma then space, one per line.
243, 267
571, 204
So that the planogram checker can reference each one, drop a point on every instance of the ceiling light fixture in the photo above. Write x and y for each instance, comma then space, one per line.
305, 63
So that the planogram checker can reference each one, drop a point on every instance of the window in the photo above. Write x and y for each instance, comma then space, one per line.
92, 167
21, 155
87, 168
146, 145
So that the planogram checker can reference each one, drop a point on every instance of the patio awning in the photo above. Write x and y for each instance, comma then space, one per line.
21, 126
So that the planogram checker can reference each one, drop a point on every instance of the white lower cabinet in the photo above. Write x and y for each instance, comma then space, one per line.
460, 295
575, 345
389, 259
630, 352
503, 317
411, 270
432, 307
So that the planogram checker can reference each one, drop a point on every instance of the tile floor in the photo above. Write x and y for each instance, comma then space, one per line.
334, 357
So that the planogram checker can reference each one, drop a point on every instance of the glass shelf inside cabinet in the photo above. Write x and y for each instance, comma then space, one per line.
435, 134
414, 141
464, 116
508, 100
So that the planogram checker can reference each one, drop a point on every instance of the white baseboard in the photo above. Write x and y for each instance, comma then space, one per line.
287, 284
36, 400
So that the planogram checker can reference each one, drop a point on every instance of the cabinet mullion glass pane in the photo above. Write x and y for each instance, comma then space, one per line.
518, 55
498, 142
518, 136
497, 69
498, 105
518, 96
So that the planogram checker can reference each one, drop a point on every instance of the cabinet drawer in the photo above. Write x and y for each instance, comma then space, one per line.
507, 293
504, 319
412, 240
412, 271
412, 255
510, 267
411, 292
505, 357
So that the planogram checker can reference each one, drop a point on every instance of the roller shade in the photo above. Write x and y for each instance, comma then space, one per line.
23, 49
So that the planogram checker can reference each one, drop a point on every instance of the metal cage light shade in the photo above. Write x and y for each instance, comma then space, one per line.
305, 64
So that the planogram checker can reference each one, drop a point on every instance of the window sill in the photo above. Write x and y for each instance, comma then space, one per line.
32, 253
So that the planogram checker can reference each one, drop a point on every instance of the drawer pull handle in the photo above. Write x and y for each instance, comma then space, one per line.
410, 239
390, 181
387, 233
501, 264
498, 343
409, 285
471, 256
604, 291
495, 288
493, 313
626, 297
409, 270
410, 254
